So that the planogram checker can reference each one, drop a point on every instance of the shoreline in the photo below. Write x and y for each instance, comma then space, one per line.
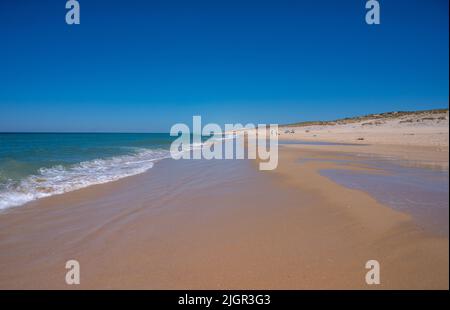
179, 226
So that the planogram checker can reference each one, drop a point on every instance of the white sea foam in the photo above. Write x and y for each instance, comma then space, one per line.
59, 179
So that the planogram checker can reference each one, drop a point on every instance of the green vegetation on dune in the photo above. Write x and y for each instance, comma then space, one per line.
356, 119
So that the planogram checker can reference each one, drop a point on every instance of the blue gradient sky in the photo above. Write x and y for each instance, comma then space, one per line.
144, 65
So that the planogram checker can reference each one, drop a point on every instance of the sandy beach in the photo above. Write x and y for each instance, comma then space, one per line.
223, 224
229, 152
421, 128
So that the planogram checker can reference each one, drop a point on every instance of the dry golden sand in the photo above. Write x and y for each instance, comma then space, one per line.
221, 224
427, 129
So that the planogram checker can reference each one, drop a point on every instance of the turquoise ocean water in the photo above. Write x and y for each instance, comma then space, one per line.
36, 165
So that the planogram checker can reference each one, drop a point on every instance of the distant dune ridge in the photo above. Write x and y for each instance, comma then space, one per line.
418, 128
439, 114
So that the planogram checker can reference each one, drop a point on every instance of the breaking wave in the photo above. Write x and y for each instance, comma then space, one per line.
60, 179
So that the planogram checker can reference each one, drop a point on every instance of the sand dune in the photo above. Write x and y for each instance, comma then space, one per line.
428, 128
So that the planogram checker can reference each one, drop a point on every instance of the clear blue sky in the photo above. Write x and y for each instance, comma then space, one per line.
140, 65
